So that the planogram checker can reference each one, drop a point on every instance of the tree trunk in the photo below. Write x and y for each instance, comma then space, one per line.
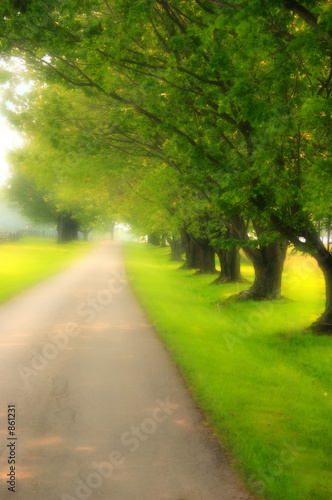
207, 259
192, 251
176, 249
315, 247
200, 254
230, 271
268, 262
67, 228
164, 241
328, 233
324, 322
154, 239
233, 258
229, 259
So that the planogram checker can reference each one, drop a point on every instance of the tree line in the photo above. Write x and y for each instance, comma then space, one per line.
204, 120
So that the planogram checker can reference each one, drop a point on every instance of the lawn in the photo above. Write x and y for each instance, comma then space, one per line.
30, 260
262, 379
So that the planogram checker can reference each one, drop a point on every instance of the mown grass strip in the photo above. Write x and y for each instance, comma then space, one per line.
31, 260
264, 384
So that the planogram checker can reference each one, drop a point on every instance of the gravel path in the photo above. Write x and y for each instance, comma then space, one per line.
101, 411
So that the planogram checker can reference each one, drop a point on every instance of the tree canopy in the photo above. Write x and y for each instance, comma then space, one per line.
229, 101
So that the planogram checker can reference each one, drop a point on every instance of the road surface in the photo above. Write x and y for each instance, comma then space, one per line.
100, 410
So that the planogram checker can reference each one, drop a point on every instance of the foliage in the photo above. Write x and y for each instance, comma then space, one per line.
56, 163
24, 194
235, 98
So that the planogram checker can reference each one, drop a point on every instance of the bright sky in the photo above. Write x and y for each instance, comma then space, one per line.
8, 140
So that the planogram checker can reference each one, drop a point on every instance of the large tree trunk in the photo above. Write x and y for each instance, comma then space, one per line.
268, 262
200, 254
67, 228
324, 323
230, 271
193, 257
313, 245
207, 260
176, 248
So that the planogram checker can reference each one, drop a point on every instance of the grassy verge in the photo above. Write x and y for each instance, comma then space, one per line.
30, 260
265, 386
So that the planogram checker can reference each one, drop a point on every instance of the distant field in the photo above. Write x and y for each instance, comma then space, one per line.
265, 385
30, 260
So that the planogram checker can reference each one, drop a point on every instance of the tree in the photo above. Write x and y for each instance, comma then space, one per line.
42, 199
231, 96
35, 204
24, 194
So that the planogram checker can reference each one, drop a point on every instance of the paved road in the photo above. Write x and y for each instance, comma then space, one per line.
101, 411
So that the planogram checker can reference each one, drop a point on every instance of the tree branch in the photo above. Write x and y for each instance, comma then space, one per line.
226, 5
301, 11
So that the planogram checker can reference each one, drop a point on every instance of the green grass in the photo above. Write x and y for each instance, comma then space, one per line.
30, 260
264, 384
